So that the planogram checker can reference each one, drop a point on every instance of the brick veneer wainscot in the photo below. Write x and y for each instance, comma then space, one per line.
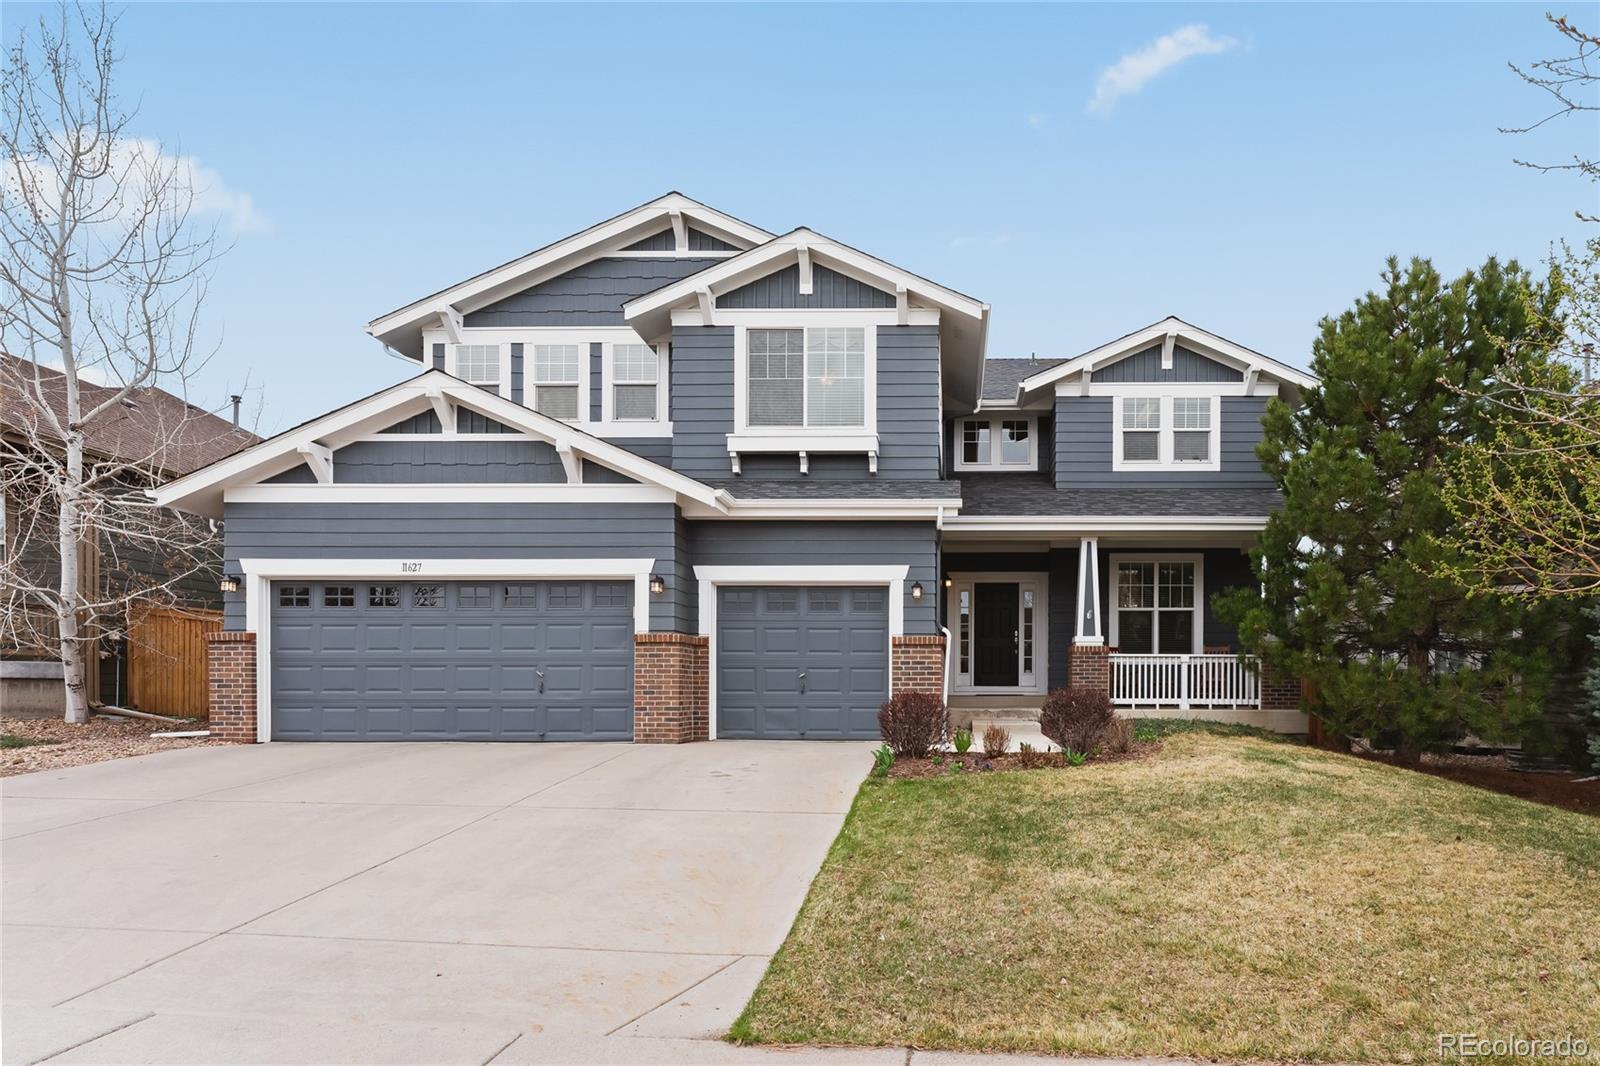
671, 688
231, 671
1278, 691
1090, 667
916, 664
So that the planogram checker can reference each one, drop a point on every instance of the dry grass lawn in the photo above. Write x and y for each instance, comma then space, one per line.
1231, 897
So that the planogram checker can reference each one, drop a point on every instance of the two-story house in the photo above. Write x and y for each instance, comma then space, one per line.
676, 477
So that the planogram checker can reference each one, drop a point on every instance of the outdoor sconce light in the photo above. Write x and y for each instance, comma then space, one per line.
229, 583
657, 586
948, 582
916, 591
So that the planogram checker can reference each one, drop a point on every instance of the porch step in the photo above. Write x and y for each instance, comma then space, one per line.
1022, 730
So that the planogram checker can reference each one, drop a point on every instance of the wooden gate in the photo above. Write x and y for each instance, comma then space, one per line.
167, 661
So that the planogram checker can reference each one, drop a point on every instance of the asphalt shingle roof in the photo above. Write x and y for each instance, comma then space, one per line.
1035, 494
1002, 376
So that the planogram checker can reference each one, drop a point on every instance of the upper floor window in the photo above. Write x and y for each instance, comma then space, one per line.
990, 443
1166, 432
555, 380
479, 364
812, 378
635, 383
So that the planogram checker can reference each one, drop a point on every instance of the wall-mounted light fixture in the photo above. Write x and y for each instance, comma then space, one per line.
916, 591
657, 586
229, 583
948, 582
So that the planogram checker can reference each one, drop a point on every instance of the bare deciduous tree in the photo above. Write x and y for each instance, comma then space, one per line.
103, 271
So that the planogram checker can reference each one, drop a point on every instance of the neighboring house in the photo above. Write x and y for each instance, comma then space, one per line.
148, 437
676, 477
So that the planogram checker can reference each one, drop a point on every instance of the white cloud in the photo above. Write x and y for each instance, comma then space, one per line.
1138, 68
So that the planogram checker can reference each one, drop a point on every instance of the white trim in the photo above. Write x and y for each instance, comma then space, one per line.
550, 492
1026, 581
260, 573
1164, 433
1089, 627
633, 427
1106, 524
746, 439
710, 578
772, 318
530, 383
994, 422
853, 509
1198, 643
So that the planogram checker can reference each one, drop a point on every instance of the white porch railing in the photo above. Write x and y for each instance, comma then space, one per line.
1183, 681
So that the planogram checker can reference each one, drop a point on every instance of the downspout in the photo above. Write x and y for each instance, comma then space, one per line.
946, 696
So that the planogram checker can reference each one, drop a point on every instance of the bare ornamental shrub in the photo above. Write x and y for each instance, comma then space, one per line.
996, 739
1076, 718
1119, 736
913, 724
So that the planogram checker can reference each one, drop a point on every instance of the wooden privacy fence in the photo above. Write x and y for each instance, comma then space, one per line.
167, 661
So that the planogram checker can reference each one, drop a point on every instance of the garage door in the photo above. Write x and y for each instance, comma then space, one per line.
538, 660
807, 663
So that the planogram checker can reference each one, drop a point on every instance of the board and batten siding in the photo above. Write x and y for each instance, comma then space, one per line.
837, 543
781, 289
587, 295
1084, 439
908, 410
1187, 367
451, 531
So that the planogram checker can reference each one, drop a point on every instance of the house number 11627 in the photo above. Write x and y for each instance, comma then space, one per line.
410, 568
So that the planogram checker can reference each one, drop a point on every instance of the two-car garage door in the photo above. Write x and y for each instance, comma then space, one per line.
534, 660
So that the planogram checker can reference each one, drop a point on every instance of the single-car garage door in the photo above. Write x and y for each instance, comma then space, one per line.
801, 662
533, 660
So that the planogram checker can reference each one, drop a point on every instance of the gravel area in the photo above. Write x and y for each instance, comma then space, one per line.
74, 745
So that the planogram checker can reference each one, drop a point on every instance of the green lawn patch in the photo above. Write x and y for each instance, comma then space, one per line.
11, 740
1231, 897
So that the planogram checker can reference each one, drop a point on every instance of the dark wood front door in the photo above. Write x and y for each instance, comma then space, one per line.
995, 661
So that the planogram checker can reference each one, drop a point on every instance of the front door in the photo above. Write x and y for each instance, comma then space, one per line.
995, 646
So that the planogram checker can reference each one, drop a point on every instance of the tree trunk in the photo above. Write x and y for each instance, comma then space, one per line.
69, 603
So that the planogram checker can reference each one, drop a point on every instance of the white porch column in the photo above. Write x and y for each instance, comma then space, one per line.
1089, 629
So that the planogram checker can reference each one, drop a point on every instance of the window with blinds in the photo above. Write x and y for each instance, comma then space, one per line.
811, 378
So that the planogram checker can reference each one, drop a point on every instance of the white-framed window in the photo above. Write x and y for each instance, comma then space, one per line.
479, 364
997, 442
1153, 431
1157, 604
813, 377
635, 383
554, 379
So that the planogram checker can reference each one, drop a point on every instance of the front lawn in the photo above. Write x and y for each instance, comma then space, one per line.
1230, 896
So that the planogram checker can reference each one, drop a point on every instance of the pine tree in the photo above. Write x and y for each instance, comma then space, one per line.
1353, 598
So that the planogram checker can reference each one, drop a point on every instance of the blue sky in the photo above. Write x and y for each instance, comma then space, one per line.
362, 156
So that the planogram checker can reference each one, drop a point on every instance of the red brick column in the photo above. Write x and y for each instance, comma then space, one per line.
1090, 667
231, 672
671, 688
1279, 692
916, 664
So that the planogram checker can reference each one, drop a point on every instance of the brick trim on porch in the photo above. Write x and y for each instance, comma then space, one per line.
1089, 666
231, 674
671, 688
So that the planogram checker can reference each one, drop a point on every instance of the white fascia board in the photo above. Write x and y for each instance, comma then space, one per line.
1202, 341
1105, 524
862, 510
620, 230
475, 492
803, 575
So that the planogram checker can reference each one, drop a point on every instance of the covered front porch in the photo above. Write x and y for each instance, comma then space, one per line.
1128, 612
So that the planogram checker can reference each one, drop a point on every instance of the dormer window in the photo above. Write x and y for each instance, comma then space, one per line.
555, 380
479, 364
1166, 432
997, 443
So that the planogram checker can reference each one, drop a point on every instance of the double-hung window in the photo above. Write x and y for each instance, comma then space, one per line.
812, 378
479, 364
555, 380
1141, 429
1157, 607
635, 383
1172, 432
1191, 429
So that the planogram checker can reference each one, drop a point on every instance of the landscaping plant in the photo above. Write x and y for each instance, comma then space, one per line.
1076, 718
913, 724
882, 761
963, 741
1073, 758
1118, 738
996, 739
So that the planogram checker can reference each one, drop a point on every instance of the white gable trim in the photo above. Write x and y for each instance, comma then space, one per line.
613, 234
202, 491
1165, 332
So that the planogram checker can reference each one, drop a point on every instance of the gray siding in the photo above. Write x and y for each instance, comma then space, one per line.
438, 357
417, 462
828, 289
426, 422
1083, 442
596, 371
1187, 366
760, 544
451, 531
656, 242
908, 410
587, 295
655, 449
705, 242
516, 373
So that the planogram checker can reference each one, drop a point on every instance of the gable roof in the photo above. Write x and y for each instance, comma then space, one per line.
202, 490
401, 329
151, 428
1199, 340
1002, 376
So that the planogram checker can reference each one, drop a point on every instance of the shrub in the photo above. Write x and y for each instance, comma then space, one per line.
1119, 736
913, 724
1076, 718
996, 739
882, 761
1028, 759
963, 741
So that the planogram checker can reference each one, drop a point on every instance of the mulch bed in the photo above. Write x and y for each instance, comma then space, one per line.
977, 762
1493, 773
99, 740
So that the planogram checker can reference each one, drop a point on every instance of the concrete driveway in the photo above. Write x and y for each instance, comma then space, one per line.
407, 903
